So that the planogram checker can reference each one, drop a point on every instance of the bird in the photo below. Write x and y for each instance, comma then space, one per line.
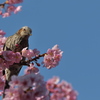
16, 43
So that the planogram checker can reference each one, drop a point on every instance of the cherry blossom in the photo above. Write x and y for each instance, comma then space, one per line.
1, 49
8, 55
17, 9
17, 57
0, 12
11, 8
2, 33
31, 69
28, 87
52, 57
6, 11
31, 86
29, 53
6, 14
36, 52
14, 1
60, 91
11, 56
2, 40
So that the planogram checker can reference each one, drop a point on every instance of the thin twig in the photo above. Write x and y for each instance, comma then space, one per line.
2, 5
34, 59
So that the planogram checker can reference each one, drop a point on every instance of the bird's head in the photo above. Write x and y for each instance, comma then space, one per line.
24, 31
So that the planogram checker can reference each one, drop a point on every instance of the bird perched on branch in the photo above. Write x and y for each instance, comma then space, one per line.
16, 43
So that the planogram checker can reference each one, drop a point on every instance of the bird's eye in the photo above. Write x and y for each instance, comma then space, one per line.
24, 29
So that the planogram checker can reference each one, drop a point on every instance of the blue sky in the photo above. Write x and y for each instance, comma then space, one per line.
75, 26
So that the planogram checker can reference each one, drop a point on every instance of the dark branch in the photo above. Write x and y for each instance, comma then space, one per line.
2, 5
27, 62
1, 56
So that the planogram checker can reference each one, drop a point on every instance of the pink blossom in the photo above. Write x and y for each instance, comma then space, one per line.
1, 92
17, 57
14, 1
14, 81
2, 33
2, 40
6, 14
54, 80
40, 91
1, 49
13, 94
20, 81
26, 81
10, 58
31, 69
0, 12
24, 51
11, 8
36, 52
61, 91
29, 53
17, 9
28, 87
52, 57
8, 55
18, 94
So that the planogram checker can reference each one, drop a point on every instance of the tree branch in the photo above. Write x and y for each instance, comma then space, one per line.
3, 4
27, 62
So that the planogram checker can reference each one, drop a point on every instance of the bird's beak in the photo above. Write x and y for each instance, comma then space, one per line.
30, 34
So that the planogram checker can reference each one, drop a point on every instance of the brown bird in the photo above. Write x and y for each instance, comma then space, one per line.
16, 43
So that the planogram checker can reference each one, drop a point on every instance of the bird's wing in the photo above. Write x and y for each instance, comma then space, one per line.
10, 45
11, 42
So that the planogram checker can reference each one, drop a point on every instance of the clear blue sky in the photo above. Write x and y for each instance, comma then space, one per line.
75, 26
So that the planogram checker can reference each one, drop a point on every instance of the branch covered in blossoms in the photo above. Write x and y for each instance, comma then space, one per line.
31, 86
8, 7
52, 57
7, 58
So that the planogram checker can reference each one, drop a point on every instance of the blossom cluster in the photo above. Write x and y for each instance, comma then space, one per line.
31, 86
31, 69
60, 91
8, 58
2, 39
2, 77
30, 53
14, 1
52, 57
10, 7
